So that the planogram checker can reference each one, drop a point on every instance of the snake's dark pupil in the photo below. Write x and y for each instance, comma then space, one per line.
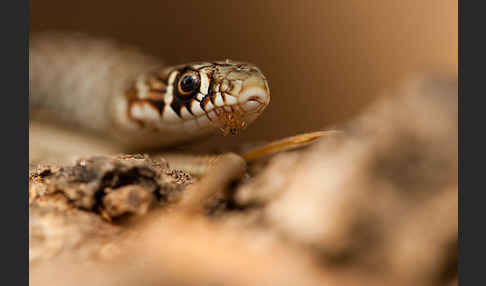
188, 83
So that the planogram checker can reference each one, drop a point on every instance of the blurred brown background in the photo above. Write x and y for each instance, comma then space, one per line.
325, 60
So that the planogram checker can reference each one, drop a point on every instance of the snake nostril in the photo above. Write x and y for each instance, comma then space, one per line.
254, 94
253, 103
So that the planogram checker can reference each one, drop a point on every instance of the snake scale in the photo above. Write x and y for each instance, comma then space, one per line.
101, 87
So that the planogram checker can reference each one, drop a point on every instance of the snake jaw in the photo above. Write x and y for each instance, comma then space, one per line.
232, 122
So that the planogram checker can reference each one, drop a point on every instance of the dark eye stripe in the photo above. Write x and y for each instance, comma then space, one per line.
158, 104
211, 85
204, 102
176, 107
188, 107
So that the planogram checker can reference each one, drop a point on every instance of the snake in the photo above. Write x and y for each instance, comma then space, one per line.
131, 98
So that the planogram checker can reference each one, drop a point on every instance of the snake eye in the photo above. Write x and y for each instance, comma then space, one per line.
188, 83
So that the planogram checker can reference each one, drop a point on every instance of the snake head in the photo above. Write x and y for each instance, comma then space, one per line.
198, 98
237, 94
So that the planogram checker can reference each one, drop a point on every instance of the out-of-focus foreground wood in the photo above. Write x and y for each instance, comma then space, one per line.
373, 205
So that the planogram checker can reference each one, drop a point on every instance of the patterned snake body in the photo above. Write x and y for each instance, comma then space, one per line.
97, 85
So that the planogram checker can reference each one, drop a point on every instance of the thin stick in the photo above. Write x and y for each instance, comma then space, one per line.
286, 144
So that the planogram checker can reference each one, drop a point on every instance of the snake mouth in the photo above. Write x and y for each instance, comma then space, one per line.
230, 119
246, 106
233, 118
